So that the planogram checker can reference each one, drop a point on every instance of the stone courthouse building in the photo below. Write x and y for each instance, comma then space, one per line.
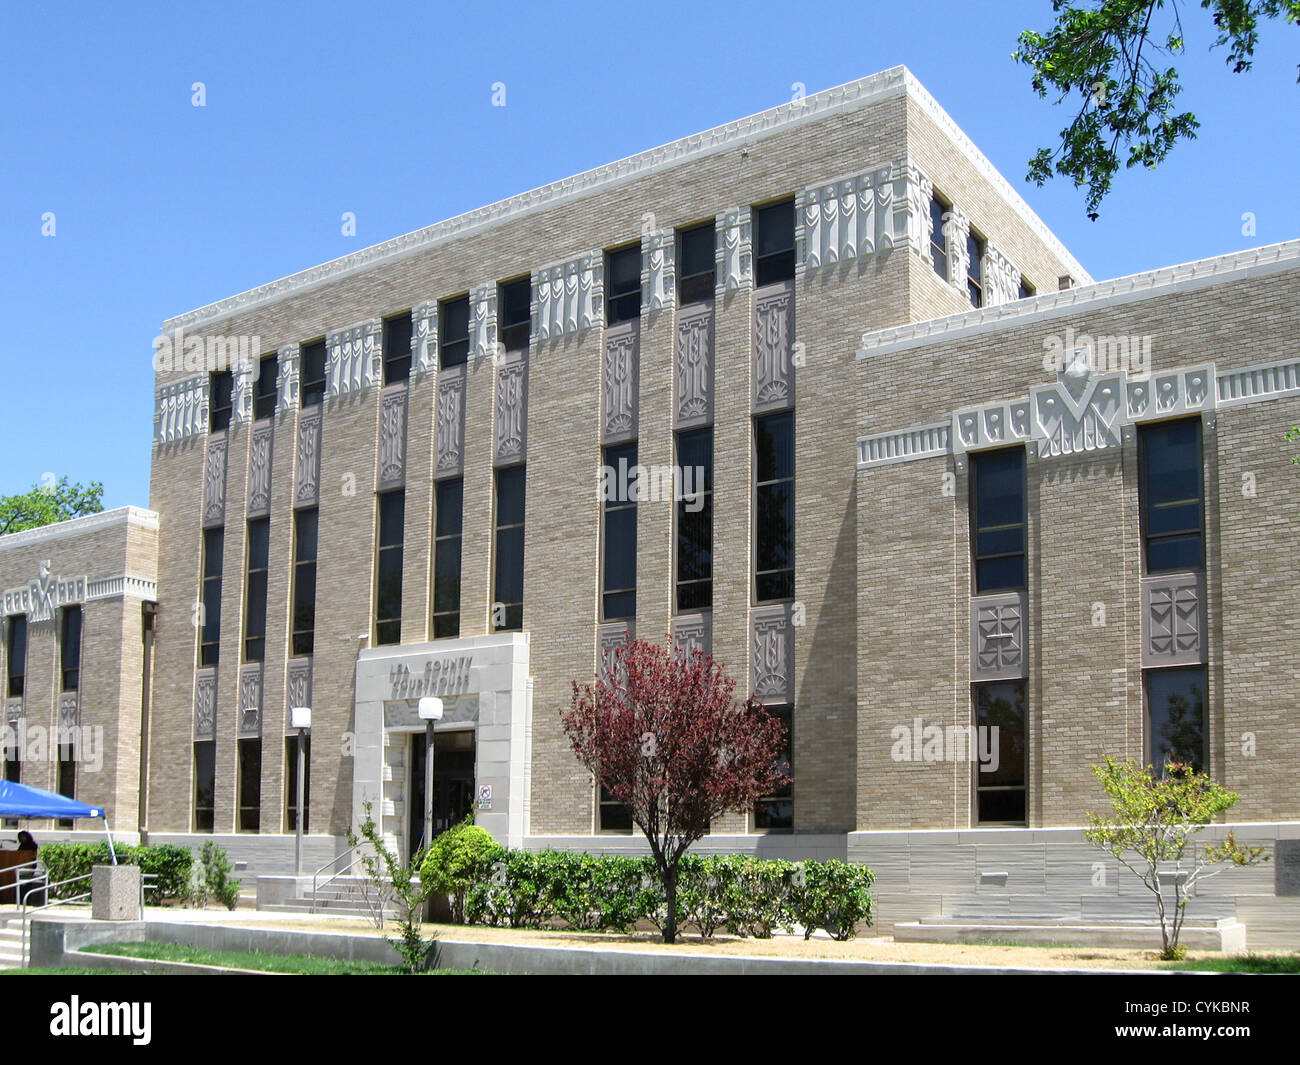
934, 480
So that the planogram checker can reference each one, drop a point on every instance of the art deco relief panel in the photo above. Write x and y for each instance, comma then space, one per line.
510, 436
391, 471
306, 492
772, 653
214, 481
449, 423
1173, 620
693, 369
774, 347
620, 382
259, 469
997, 631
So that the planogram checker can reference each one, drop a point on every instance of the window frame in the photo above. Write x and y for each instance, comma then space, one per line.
243, 808
291, 783
498, 527
388, 627
617, 303
1145, 432
302, 641
783, 712
257, 577
774, 261
1148, 751
460, 346
680, 514
976, 245
65, 614
448, 539
977, 459
264, 395
312, 390
221, 398
397, 363
16, 679
756, 491
509, 331
204, 766
210, 594
619, 453
976, 788
939, 233
689, 284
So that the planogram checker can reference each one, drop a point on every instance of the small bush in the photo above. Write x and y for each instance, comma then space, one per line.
210, 878
169, 864
833, 895
456, 860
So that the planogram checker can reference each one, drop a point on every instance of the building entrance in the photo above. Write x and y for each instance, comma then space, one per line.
453, 782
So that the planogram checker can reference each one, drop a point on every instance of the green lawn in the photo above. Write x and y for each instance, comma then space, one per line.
67, 971
1243, 963
300, 964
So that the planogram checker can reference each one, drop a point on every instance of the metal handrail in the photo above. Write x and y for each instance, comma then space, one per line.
33, 865
47, 886
376, 916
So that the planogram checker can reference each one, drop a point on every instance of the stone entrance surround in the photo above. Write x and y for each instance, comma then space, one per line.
481, 679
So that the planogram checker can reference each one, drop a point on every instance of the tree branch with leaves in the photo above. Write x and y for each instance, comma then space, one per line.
1111, 58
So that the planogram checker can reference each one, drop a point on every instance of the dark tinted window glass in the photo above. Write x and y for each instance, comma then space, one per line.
221, 385
938, 238
264, 387
614, 816
999, 516
388, 578
1027, 291
67, 778
508, 576
205, 784
70, 648
453, 332
311, 373
774, 506
1176, 717
397, 348
774, 243
695, 520
623, 281
1000, 779
975, 270
259, 535
618, 597
210, 629
16, 654
1171, 512
250, 785
696, 263
446, 558
516, 314
306, 528
776, 811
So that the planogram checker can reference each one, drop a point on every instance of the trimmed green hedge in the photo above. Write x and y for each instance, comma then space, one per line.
742, 895
169, 863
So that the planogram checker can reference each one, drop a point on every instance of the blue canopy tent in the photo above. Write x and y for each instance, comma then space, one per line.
19, 800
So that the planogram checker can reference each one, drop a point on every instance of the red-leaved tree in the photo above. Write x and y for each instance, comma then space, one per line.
664, 734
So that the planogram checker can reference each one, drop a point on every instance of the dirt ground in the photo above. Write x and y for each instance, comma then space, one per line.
864, 948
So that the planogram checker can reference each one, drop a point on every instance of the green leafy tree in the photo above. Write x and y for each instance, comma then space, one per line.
395, 881
456, 861
1151, 834
1110, 59
1292, 435
46, 504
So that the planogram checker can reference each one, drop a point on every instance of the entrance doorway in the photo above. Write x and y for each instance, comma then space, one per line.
453, 782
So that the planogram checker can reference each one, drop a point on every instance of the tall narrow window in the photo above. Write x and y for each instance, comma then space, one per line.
695, 520
67, 772
938, 235
205, 784
397, 348
70, 648
998, 517
776, 811
516, 313
250, 785
975, 269
618, 560
311, 374
508, 576
1176, 717
1000, 777
774, 506
696, 263
446, 558
453, 332
623, 284
388, 579
221, 386
259, 544
16, 654
210, 627
306, 524
1172, 526
291, 799
264, 387
774, 243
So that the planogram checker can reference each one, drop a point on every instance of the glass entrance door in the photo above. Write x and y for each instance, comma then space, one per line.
453, 783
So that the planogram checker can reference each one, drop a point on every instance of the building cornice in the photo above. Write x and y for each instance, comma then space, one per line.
855, 94
1184, 277
128, 515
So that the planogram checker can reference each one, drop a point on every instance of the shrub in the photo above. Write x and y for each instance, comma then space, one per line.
456, 860
210, 878
833, 895
519, 892
169, 864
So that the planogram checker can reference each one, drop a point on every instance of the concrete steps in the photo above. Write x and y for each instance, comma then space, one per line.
1222, 934
11, 945
345, 897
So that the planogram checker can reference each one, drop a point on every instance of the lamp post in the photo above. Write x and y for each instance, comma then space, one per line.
430, 712
300, 719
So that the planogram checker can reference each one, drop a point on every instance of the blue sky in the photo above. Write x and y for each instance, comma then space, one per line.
385, 110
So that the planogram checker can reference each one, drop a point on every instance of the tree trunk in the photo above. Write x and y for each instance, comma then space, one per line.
670, 894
